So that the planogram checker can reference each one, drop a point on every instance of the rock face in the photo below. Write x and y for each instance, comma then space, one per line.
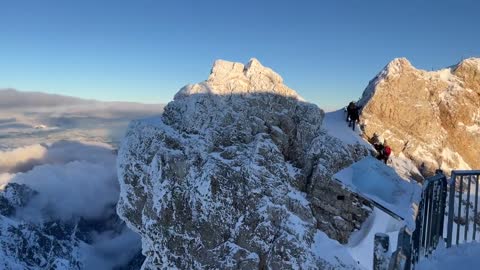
432, 117
236, 175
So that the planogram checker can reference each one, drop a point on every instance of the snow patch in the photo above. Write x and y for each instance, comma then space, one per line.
380, 183
336, 126
462, 257
333, 252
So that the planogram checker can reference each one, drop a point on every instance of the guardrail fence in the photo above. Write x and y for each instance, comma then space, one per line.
461, 225
463, 207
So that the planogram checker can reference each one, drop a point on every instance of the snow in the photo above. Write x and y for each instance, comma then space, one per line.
454, 158
380, 183
462, 257
473, 128
333, 252
445, 75
336, 126
360, 244
403, 166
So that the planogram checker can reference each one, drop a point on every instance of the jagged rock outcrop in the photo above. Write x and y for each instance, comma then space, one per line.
32, 246
49, 244
236, 175
431, 117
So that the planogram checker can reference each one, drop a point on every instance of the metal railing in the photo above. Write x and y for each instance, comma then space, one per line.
411, 246
463, 211
430, 217
463, 218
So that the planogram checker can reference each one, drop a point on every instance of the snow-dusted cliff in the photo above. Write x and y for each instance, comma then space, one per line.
236, 174
431, 117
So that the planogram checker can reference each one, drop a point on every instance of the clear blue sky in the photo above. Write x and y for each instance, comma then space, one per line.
145, 50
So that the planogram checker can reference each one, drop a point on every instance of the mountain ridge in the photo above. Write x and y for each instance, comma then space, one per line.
431, 117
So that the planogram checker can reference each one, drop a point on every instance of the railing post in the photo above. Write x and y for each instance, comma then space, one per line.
475, 214
398, 261
430, 215
467, 209
404, 243
380, 250
443, 203
459, 212
451, 206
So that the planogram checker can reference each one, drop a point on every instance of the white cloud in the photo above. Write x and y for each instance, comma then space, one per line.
73, 179
16, 159
109, 250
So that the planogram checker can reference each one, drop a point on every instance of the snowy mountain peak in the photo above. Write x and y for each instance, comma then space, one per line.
398, 65
228, 78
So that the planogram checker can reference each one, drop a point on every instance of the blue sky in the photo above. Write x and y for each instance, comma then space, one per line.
145, 50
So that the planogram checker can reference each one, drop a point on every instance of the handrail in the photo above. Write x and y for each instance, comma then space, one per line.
430, 219
411, 246
463, 178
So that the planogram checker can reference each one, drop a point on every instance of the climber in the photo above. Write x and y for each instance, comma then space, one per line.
374, 140
351, 106
384, 151
354, 116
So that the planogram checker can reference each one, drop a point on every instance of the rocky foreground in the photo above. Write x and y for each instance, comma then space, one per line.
51, 244
236, 174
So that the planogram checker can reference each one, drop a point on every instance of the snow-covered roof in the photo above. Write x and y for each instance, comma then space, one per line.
380, 184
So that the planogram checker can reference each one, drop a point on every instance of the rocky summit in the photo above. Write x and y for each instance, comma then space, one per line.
236, 174
430, 117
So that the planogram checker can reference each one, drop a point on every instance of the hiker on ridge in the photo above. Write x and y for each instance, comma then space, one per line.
354, 117
351, 106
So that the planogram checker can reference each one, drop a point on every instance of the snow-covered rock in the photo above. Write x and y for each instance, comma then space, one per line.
57, 210
30, 246
236, 174
52, 244
431, 117
383, 185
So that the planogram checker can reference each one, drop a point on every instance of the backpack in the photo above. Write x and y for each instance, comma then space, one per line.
387, 150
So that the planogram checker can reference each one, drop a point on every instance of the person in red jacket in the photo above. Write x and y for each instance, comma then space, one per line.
384, 152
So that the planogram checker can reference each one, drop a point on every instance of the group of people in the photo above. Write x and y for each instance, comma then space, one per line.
353, 114
383, 149
353, 117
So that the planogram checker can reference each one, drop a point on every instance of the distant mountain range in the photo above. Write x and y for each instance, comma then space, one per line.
31, 117
12, 98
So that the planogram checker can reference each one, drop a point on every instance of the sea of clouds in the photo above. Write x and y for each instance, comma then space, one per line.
65, 149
